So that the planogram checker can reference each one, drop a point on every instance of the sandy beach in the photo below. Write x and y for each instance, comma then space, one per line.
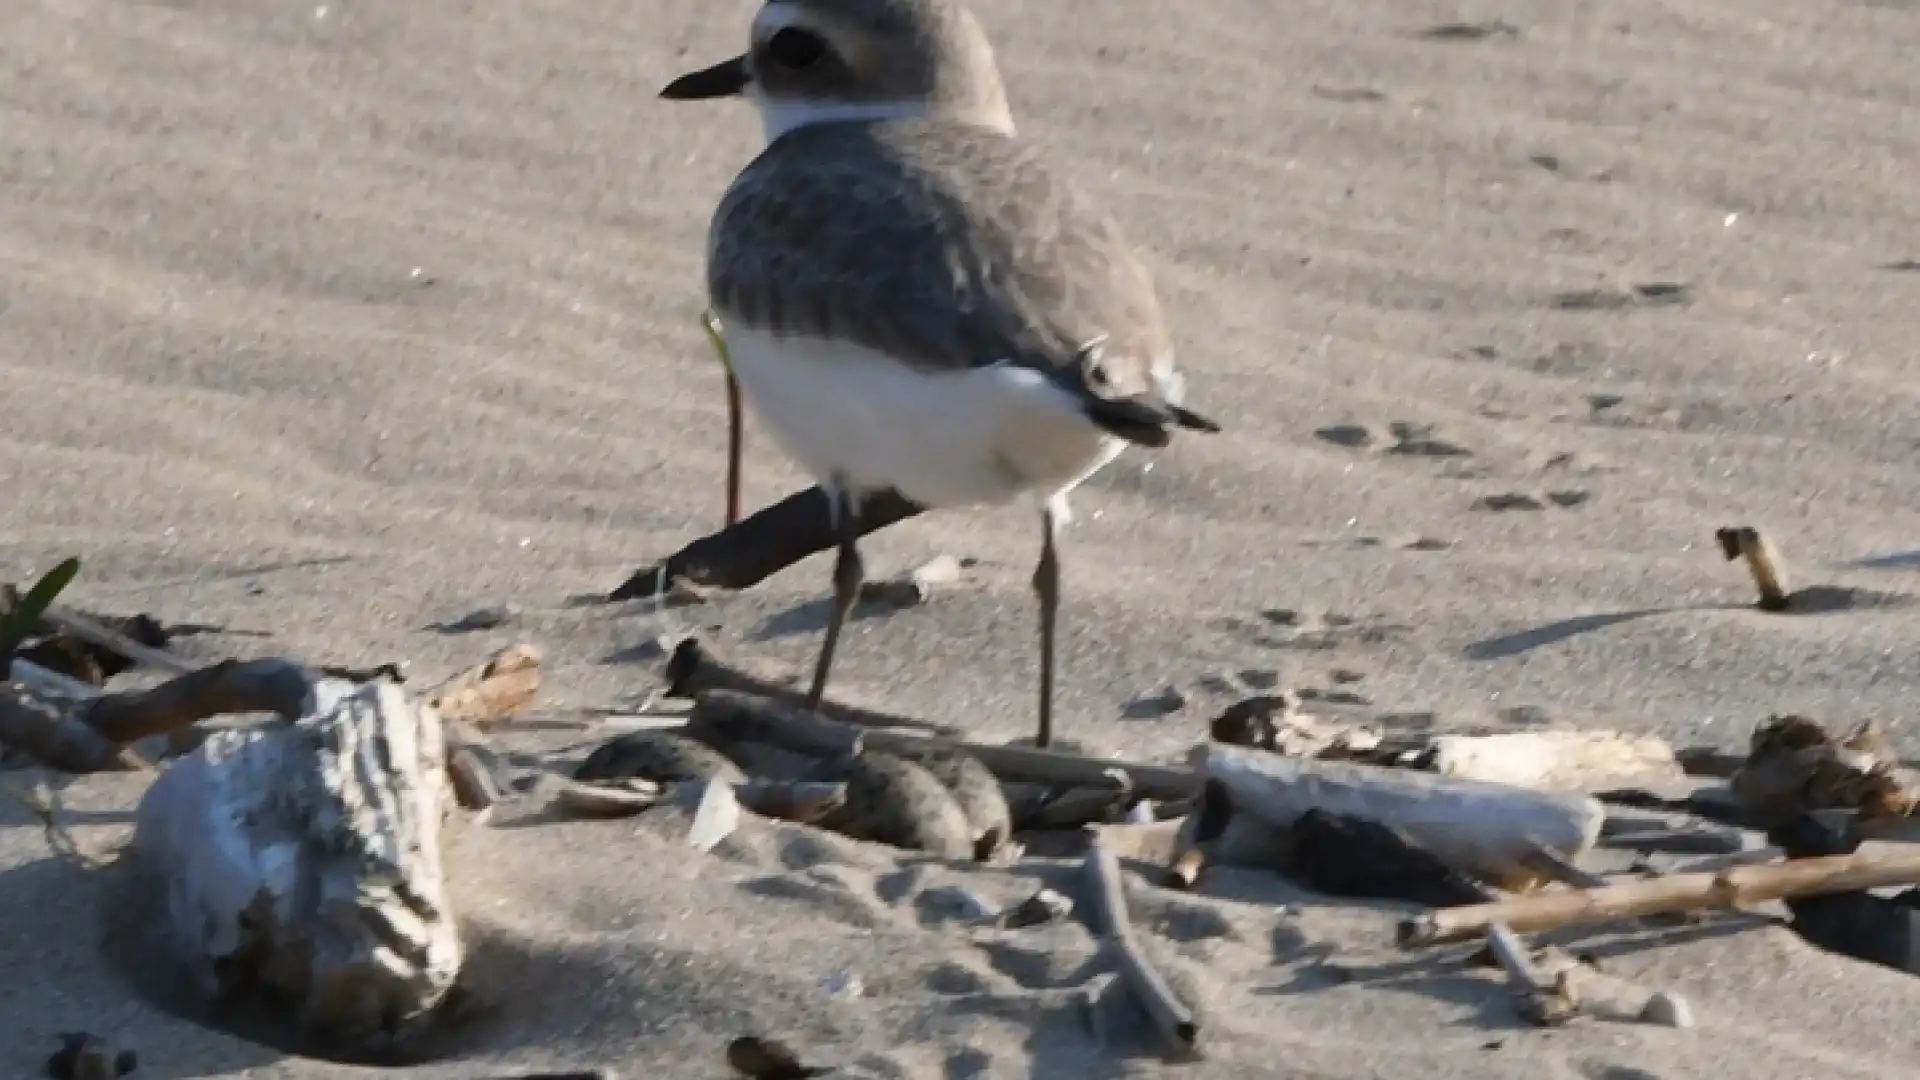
329, 320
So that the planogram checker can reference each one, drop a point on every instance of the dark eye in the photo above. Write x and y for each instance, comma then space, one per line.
793, 48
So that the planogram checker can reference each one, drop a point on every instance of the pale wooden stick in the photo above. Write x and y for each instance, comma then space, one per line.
474, 785
1173, 1018
1725, 890
1763, 562
1545, 1001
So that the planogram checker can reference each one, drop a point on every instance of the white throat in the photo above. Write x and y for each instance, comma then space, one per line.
779, 116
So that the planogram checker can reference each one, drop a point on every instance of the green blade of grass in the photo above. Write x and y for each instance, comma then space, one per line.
17, 625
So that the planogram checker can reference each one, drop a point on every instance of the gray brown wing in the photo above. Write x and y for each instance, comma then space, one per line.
948, 247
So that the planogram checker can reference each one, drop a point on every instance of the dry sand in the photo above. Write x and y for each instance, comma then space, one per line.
331, 321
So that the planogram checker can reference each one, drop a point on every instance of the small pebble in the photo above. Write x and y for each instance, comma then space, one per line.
1044, 906
843, 984
1152, 706
1259, 679
486, 618
940, 570
959, 902
1668, 1009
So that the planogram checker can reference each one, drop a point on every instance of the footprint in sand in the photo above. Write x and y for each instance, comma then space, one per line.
1523, 500
1640, 295
1402, 437
1288, 628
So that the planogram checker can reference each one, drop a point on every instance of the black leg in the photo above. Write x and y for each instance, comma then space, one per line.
1046, 586
847, 572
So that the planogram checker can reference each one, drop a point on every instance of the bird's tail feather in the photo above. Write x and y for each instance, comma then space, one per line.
1145, 419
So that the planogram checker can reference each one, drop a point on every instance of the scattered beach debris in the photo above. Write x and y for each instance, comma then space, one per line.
1487, 831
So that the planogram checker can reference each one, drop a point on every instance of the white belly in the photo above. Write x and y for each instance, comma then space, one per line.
985, 435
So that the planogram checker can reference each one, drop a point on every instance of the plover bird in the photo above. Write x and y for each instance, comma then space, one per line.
912, 300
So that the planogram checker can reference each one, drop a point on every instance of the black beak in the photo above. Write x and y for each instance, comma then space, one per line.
724, 79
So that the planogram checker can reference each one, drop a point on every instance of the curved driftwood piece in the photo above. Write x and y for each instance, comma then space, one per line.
1725, 890
762, 544
280, 687
304, 859
1475, 826
74, 727
1149, 987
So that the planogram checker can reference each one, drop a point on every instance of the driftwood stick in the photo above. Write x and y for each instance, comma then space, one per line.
1545, 1001
230, 686
762, 544
1724, 890
1763, 562
693, 669
88, 630
475, 787
1474, 825
1172, 1017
